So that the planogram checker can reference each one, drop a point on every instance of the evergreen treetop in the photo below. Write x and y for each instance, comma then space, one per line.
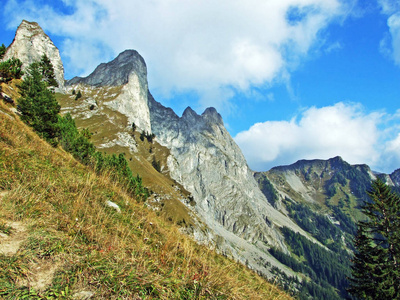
2, 50
375, 270
47, 70
38, 105
10, 69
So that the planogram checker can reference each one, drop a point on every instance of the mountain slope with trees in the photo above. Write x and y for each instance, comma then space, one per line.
64, 237
376, 269
326, 199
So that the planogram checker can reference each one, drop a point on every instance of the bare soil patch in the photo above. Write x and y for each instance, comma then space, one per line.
10, 244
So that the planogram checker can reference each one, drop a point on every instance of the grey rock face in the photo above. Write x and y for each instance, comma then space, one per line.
129, 71
208, 163
115, 72
205, 160
29, 45
395, 176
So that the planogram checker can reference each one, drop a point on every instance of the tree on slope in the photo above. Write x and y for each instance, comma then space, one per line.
48, 71
10, 69
376, 270
38, 105
2, 50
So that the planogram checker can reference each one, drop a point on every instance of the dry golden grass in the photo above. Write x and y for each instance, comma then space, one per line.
105, 130
134, 254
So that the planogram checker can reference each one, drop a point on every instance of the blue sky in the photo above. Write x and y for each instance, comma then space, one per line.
293, 79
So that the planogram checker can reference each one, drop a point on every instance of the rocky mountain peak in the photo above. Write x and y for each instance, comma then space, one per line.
115, 72
333, 163
212, 116
127, 71
29, 45
190, 115
209, 116
29, 28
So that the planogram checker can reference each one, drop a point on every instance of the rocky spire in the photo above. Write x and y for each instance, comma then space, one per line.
129, 71
29, 45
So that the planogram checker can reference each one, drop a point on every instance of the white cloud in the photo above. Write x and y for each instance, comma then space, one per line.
390, 44
389, 6
188, 45
334, 47
341, 129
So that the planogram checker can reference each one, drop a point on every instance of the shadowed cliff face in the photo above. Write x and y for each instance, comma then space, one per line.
208, 163
129, 72
115, 72
29, 45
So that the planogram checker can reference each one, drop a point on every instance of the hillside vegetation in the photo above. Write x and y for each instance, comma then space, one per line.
59, 238
324, 199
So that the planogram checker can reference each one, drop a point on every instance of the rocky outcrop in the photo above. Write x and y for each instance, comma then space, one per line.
29, 45
395, 177
128, 70
208, 163
116, 72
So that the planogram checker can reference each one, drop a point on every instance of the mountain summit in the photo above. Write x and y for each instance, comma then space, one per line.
29, 45
116, 72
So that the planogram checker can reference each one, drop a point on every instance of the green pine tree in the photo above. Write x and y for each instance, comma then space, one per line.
48, 71
78, 95
10, 69
2, 50
38, 105
375, 270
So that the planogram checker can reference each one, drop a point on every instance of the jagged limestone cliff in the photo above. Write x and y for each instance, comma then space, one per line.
204, 159
128, 71
207, 161
29, 45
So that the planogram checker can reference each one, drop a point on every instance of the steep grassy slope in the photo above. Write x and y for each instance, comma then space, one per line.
107, 126
60, 240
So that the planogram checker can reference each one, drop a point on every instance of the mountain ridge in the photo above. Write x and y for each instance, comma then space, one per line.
115, 72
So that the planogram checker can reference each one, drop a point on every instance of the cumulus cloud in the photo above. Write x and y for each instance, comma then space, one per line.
199, 45
342, 129
390, 44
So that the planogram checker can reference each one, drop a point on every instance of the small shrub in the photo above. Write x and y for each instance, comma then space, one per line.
78, 95
156, 164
